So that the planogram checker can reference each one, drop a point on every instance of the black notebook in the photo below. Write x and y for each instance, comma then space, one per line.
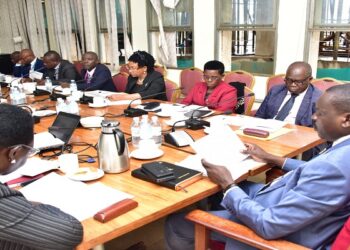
183, 176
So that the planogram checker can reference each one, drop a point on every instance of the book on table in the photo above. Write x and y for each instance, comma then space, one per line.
182, 176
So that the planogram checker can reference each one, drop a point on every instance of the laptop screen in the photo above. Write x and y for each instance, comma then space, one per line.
64, 126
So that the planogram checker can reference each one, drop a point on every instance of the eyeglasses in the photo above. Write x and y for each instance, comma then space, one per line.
31, 151
132, 69
297, 82
211, 78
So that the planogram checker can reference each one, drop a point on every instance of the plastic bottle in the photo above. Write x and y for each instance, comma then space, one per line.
14, 95
135, 131
21, 94
60, 105
156, 131
48, 84
72, 106
145, 133
73, 86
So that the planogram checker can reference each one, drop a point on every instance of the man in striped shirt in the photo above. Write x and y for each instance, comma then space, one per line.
23, 224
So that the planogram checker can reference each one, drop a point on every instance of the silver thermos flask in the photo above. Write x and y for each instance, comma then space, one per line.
112, 149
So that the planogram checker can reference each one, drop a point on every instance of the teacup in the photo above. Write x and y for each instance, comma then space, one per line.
99, 101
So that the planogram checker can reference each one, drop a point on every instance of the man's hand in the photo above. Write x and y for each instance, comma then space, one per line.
261, 155
218, 174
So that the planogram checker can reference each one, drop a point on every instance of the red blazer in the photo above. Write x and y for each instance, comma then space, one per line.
343, 239
223, 97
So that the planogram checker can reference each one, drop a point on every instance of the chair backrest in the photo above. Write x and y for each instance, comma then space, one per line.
171, 93
120, 81
188, 78
78, 66
325, 83
240, 76
274, 80
161, 69
124, 68
248, 101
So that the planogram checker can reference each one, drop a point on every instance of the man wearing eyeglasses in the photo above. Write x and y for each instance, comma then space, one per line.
27, 225
294, 101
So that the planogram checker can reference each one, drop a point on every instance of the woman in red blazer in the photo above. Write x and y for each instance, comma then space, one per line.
213, 92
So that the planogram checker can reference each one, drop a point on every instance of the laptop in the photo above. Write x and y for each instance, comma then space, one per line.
59, 133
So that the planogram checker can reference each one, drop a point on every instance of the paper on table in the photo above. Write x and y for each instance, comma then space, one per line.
221, 147
122, 102
35, 75
269, 125
35, 166
46, 140
11, 176
73, 197
99, 93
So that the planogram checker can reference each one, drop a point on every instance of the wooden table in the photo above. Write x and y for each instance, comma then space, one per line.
155, 201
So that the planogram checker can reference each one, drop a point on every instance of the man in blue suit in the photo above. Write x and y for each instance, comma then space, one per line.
30, 63
96, 76
297, 83
307, 206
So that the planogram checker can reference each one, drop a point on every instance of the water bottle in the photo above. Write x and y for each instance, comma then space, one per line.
14, 95
146, 140
135, 132
156, 131
21, 94
60, 105
73, 86
48, 84
72, 106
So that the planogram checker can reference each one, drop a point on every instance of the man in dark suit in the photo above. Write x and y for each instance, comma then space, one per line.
29, 63
297, 86
96, 76
58, 70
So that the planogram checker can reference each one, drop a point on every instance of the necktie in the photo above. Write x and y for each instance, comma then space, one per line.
56, 74
286, 108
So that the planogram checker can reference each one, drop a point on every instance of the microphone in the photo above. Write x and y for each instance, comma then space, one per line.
195, 124
133, 112
87, 99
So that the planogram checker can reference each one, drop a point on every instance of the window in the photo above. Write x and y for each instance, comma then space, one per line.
249, 26
331, 23
177, 25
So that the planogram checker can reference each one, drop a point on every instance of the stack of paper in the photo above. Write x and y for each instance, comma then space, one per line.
75, 198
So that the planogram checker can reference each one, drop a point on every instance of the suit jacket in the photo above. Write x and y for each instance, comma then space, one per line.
23, 70
153, 86
307, 206
223, 97
101, 79
66, 73
272, 102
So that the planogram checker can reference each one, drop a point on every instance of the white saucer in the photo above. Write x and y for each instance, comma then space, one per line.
146, 155
43, 113
92, 105
171, 123
86, 174
91, 121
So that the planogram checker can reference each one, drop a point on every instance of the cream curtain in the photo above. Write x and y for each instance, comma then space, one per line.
127, 44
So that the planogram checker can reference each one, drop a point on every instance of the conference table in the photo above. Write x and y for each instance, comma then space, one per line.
155, 202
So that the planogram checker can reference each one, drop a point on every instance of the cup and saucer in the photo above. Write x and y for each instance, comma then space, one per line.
147, 150
98, 102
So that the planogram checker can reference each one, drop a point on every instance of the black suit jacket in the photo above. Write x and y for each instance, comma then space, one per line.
66, 73
101, 79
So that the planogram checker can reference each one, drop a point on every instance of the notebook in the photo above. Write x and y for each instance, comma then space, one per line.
183, 177
59, 133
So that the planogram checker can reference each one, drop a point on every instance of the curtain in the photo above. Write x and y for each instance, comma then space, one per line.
127, 44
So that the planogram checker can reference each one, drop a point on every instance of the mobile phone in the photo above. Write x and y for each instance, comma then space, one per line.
157, 169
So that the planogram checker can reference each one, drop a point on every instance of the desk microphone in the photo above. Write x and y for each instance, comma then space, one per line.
24, 76
133, 112
195, 123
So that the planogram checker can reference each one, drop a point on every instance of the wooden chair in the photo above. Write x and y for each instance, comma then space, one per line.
248, 101
325, 83
161, 69
78, 66
206, 222
274, 80
188, 78
124, 68
240, 76
171, 93
120, 81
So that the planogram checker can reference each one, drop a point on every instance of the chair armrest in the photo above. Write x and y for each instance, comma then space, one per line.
206, 222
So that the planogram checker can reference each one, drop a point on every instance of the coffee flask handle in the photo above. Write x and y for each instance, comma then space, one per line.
120, 135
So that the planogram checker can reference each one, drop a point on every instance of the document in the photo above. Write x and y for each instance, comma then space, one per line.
46, 140
73, 197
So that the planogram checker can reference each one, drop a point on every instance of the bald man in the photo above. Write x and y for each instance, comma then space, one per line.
96, 75
30, 63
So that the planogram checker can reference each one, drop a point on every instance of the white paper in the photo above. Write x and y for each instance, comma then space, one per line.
35, 166
73, 197
11, 176
99, 93
221, 147
123, 102
35, 75
46, 140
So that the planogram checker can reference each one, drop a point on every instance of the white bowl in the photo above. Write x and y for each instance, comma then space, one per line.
91, 121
